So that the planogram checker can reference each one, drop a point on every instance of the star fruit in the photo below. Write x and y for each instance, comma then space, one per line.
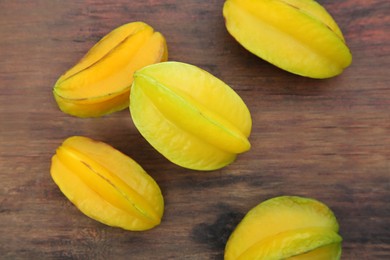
107, 185
99, 83
191, 117
286, 227
299, 36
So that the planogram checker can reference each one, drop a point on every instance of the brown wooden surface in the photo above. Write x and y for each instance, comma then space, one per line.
326, 139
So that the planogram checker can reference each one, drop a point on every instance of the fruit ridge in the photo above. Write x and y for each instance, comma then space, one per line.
192, 118
298, 36
100, 82
283, 227
106, 185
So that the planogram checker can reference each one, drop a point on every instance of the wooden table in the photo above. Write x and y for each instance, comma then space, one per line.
326, 139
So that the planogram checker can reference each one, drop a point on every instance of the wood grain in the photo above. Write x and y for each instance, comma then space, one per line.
326, 139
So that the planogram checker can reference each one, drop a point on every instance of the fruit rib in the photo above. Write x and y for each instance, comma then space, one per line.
111, 74
328, 252
107, 185
287, 37
205, 89
190, 116
291, 243
278, 215
317, 12
94, 107
123, 166
175, 144
104, 47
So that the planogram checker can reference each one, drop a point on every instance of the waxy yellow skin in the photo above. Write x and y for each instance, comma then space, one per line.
298, 36
107, 185
99, 83
286, 227
194, 119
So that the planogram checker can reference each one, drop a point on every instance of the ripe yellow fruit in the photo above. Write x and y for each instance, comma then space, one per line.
100, 83
189, 116
286, 227
298, 36
107, 185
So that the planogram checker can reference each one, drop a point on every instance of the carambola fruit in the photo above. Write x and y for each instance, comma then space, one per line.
107, 185
191, 117
286, 227
100, 82
298, 36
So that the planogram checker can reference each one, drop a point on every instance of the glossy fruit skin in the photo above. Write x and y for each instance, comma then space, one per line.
286, 227
99, 84
107, 185
192, 118
298, 36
